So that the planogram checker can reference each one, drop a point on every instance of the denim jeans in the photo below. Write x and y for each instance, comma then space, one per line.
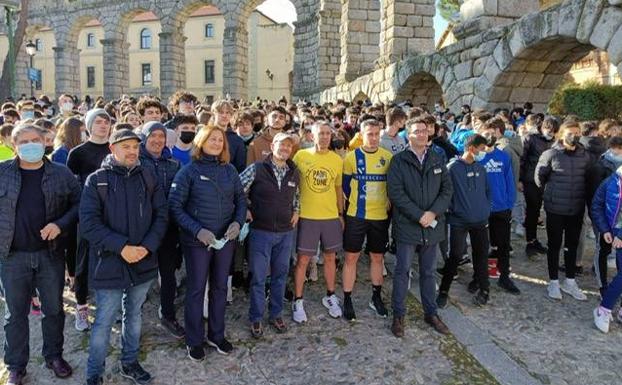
614, 288
20, 273
427, 279
108, 303
268, 254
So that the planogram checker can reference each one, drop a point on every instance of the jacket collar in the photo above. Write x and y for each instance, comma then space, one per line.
268, 161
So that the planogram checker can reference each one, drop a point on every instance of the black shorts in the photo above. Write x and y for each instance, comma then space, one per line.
357, 229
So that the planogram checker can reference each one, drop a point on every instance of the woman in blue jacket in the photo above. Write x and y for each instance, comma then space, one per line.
207, 201
606, 214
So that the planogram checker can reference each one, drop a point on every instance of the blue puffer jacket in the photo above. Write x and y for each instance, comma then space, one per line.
61, 191
606, 204
206, 194
135, 213
164, 167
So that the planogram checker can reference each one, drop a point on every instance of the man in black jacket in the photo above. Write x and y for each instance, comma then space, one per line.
123, 215
420, 191
38, 202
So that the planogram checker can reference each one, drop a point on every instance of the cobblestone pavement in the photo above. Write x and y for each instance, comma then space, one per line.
324, 351
555, 341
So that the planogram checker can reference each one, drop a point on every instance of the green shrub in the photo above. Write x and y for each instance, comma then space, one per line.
589, 101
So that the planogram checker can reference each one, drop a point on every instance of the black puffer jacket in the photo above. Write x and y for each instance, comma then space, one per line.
533, 146
562, 174
595, 146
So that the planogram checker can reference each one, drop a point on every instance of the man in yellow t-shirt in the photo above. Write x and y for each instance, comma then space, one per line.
365, 187
6, 151
321, 216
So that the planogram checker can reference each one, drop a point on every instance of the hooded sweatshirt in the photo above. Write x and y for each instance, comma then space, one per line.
470, 203
500, 180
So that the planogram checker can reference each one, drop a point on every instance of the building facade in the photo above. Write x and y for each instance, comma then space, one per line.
269, 66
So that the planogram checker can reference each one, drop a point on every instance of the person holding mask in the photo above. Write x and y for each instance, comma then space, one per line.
561, 173
123, 217
39, 202
420, 191
208, 203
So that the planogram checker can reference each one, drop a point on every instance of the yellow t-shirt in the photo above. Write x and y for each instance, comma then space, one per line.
365, 183
6, 152
356, 142
319, 175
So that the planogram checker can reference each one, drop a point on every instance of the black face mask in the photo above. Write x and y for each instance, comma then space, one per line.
490, 140
572, 140
187, 137
49, 150
338, 144
257, 127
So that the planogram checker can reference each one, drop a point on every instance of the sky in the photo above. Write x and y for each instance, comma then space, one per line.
283, 11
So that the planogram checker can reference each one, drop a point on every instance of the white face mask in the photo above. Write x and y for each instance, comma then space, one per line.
67, 107
243, 232
218, 244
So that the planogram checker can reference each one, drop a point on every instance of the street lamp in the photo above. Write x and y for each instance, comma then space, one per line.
31, 49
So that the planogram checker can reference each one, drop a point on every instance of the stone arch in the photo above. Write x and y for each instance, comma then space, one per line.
424, 79
33, 30
530, 61
360, 96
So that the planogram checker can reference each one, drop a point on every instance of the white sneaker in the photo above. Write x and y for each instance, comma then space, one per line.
82, 318
519, 230
553, 290
602, 317
229, 290
298, 312
313, 271
332, 304
570, 286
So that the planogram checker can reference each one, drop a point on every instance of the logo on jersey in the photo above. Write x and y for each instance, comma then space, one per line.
492, 166
319, 180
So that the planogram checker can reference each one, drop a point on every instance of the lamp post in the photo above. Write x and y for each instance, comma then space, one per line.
31, 49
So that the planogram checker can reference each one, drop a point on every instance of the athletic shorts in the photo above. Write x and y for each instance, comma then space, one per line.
328, 232
376, 231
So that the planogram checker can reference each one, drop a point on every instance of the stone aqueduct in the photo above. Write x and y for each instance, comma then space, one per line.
507, 51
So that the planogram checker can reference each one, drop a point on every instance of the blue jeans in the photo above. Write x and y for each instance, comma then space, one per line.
268, 253
427, 279
20, 273
108, 303
614, 289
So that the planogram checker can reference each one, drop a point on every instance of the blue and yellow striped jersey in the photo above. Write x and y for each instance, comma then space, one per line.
365, 183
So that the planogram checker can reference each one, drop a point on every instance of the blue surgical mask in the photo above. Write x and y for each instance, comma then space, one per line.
31, 152
243, 232
218, 244
612, 157
480, 156
509, 134
28, 115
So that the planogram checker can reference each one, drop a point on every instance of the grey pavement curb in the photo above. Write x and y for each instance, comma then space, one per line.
478, 343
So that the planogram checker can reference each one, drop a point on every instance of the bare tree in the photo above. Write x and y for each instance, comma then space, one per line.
20, 33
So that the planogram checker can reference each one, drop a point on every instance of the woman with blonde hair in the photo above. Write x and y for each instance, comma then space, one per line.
208, 203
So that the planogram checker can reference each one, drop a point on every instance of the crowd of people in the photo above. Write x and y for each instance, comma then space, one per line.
107, 197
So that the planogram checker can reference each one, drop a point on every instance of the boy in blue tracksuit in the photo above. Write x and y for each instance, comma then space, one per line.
498, 166
607, 215
468, 214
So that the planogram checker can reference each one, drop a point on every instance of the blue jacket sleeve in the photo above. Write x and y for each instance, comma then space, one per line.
599, 210
71, 216
92, 226
240, 199
159, 221
177, 200
509, 180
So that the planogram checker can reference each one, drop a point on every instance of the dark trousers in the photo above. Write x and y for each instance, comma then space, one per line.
533, 203
69, 246
82, 272
479, 248
168, 261
203, 264
567, 227
601, 265
20, 273
500, 227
